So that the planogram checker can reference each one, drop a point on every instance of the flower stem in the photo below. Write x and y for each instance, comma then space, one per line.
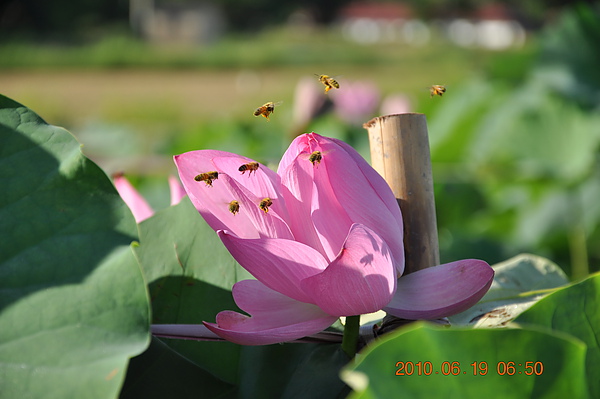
351, 334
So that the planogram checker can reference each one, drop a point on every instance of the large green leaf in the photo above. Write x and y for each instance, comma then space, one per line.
518, 284
455, 360
190, 274
161, 373
73, 304
292, 371
574, 310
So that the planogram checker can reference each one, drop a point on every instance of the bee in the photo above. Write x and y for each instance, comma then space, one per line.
315, 157
207, 177
329, 82
250, 167
265, 204
437, 90
234, 207
266, 109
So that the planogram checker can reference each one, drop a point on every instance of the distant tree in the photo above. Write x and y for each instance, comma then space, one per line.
58, 19
255, 14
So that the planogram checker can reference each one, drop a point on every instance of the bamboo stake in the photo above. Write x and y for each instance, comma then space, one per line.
400, 153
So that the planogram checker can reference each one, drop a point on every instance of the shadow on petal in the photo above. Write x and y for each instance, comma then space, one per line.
362, 279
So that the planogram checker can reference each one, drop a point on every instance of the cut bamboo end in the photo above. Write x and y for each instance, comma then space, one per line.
400, 153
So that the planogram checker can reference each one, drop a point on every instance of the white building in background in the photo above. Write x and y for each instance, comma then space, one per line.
193, 23
369, 23
491, 27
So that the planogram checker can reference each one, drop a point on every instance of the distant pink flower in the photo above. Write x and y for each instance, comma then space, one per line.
356, 101
176, 189
137, 204
308, 100
395, 104
322, 236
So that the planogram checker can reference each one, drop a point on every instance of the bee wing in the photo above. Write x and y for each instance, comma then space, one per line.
329, 76
306, 155
432, 86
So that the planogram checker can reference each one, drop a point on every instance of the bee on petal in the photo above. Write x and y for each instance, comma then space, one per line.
437, 90
207, 177
250, 167
234, 207
266, 109
265, 204
315, 157
329, 82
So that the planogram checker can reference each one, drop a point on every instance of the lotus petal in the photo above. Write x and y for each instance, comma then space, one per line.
137, 204
360, 280
278, 263
274, 317
176, 189
442, 290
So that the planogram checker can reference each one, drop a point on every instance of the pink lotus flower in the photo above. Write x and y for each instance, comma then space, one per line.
137, 204
322, 236
356, 102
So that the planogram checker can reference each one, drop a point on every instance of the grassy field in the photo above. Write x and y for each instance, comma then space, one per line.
128, 101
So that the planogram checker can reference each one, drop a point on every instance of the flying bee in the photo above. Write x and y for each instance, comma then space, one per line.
329, 82
234, 207
265, 204
266, 109
437, 90
207, 177
250, 167
315, 157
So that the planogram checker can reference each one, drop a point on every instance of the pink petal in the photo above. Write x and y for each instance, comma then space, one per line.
362, 279
136, 203
297, 177
176, 189
299, 145
319, 220
213, 201
278, 263
441, 291
329, 216
275, 317
364, 194
262, 182
345, 189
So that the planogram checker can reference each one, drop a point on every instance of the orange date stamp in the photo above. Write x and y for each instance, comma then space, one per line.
475, 368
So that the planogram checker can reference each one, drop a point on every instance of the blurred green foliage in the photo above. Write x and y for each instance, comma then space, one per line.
514, 141
274, 47
516, 165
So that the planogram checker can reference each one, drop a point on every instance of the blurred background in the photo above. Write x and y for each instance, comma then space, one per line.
514, 141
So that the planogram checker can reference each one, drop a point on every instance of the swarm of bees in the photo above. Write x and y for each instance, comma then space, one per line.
329, 82
315, 157
249, 167
207, 177
266, 109
234, 207
265, 204
437, 90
